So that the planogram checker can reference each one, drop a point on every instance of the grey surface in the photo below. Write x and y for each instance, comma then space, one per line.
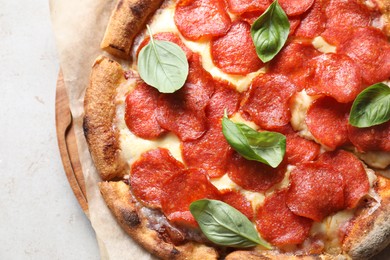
40, 217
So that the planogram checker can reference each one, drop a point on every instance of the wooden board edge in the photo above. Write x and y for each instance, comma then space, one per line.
67, 144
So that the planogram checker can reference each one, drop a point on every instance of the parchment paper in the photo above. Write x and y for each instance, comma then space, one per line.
79, 27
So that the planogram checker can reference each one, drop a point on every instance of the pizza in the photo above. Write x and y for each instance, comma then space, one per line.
245, 129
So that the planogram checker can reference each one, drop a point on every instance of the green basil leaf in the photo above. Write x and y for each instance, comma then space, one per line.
371, 107
265, 147
270, 31
163, 65
224, 225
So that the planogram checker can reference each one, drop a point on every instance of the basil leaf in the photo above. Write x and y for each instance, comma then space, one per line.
371, 107
270, 31
265, 147
163, 65
224, 225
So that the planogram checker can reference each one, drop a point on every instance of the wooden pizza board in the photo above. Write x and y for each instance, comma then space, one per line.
67, 144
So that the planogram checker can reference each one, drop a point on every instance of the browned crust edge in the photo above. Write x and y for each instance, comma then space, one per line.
126, 20
122, 205
99, 115
253, 255
370, 233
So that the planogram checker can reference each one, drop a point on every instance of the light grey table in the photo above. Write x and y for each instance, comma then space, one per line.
40, 217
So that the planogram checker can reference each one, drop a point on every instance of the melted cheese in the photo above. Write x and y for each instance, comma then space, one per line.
301, 102
321, 45
237, 118
329, 228
225, 182
137, 146
376, 159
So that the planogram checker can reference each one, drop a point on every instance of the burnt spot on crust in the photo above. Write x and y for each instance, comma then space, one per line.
86, 126
116, 47
109, 149
139, 9
174, 252
130, 217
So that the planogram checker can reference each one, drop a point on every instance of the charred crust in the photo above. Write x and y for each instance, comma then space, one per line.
131, 218
174, 252
123, 206
113, 46
138, 9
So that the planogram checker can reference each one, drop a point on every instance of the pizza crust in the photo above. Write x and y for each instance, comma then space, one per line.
253, 255
127, 19
123, 207
99, 116
370, 232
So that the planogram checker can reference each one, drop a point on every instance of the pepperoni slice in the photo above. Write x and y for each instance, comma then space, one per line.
292, 58
242, 6
235, 52
375, 138
299, 149
353, 174
313, 22
148, 174
294, 23
254, 176
278, 225
337, 76
267, 101
369, 48
327, 121
292, 61
343, 15
166, 36
140, 113
316, 190
224, 97
251, 17
197, 75
181, 190
201, 18
238, 201
174, 115
210, 152
183, 112
295, 7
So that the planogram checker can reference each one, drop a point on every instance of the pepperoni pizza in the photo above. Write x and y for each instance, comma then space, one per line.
159, 153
